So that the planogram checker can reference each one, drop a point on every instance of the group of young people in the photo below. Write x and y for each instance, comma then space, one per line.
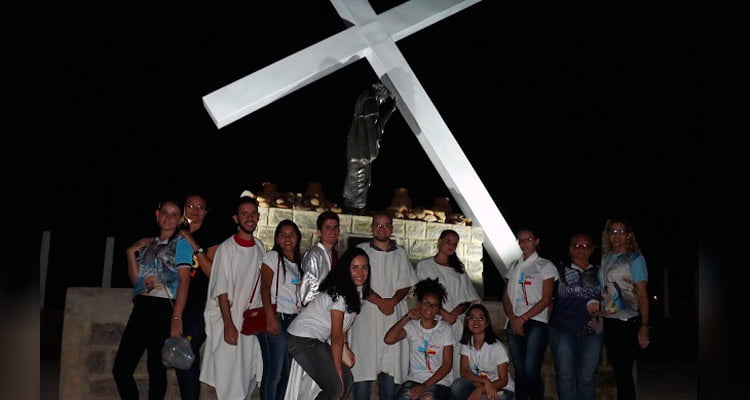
337, 324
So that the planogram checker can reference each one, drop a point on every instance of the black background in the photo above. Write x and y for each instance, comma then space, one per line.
568, 116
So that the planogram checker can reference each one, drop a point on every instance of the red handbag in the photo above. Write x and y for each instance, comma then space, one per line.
254, 319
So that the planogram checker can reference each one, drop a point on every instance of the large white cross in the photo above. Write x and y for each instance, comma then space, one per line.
374, 37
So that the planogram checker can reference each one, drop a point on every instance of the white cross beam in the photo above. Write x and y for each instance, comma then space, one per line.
373, 37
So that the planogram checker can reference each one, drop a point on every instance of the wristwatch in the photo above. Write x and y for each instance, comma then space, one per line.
199, 251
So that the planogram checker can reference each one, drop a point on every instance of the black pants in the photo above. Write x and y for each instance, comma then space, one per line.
147, 328
621, 342
193, 325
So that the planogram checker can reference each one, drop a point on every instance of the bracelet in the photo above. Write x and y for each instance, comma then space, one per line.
175, 317
645, 325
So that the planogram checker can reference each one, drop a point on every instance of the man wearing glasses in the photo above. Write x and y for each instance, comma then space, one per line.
391, 278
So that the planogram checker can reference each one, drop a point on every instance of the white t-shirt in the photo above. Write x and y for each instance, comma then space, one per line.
288, 300
484, 362
525, 282
426, 350
314, 320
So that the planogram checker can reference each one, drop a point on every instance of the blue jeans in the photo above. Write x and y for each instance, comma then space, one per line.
193, 325
316, 359
576, 360
438, 392
461, 389
527, 354
386, 388
276, 360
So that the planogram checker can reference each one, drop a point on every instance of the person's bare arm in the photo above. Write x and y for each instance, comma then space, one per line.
337, 342
206, 259
444, 369
266, 279
388, 306
374, 298
180, 301
548, 288
466, 372
230, 331
508, 307
397, 332
641, 289
502, 377
133, 267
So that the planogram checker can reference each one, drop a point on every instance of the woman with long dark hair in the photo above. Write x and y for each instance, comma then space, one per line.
484, 360
316, 339
280, 274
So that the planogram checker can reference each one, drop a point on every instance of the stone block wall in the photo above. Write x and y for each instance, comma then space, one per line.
95, 319
419, 238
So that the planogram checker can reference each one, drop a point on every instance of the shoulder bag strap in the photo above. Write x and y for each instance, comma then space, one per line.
252, 296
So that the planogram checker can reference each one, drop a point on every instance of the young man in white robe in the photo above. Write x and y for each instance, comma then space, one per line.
391, 278
232, 362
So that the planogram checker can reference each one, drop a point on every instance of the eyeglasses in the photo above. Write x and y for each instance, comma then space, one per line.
196, 206
379, 225
426, 303
583, 246
617, 231
475, 319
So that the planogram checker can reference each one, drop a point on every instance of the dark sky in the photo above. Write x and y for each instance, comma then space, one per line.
568, 116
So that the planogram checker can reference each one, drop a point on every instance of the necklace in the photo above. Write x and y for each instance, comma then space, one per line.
476, 358
425, 348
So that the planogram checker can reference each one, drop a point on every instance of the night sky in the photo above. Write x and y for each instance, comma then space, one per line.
567, 117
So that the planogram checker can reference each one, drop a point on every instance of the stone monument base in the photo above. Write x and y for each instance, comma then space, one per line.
95, 319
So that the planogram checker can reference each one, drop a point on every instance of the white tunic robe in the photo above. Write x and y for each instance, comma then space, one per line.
230, 369
460, 290
389, 272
